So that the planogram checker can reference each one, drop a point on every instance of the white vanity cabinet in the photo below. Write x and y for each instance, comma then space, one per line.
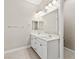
45, 49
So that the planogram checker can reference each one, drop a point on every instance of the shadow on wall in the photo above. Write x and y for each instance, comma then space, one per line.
69, 24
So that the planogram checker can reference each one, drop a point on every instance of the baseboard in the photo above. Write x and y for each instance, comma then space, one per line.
24, 47
16, 49
69, 49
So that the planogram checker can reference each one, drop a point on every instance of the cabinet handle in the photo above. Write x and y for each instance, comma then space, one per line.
40, 44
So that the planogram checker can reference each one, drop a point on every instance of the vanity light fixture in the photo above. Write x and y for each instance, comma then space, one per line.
54, 2
35, 2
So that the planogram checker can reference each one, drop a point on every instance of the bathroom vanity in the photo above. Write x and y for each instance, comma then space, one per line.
49, 46
45, 45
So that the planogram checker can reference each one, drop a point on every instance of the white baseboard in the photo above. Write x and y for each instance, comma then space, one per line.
24, 47
16, 49
69, 49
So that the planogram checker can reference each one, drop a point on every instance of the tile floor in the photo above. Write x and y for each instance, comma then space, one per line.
30, 54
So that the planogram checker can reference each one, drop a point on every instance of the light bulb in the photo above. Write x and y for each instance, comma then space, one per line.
54, 2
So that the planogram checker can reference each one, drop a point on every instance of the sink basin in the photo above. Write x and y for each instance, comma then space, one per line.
45, 36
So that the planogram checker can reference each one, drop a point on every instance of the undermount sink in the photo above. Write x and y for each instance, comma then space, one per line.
45, 36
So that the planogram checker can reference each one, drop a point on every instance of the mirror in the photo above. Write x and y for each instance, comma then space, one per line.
47, 19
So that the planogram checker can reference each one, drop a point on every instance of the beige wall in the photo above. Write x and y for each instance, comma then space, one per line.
69, 30
17, 23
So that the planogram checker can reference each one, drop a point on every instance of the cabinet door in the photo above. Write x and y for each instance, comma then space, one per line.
32, 43
39, 49
52, 49
44, 52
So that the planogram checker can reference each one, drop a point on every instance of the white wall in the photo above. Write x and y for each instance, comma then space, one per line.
17, 23
69, 17
50, 24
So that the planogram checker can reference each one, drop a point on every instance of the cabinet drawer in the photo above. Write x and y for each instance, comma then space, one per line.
33, 37
42, 42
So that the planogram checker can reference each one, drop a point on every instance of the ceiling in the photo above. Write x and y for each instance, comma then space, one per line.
39, 4
26, 8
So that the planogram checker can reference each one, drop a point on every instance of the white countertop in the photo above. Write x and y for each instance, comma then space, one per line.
45, 36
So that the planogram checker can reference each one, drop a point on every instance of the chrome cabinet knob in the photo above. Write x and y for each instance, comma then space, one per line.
40, 44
